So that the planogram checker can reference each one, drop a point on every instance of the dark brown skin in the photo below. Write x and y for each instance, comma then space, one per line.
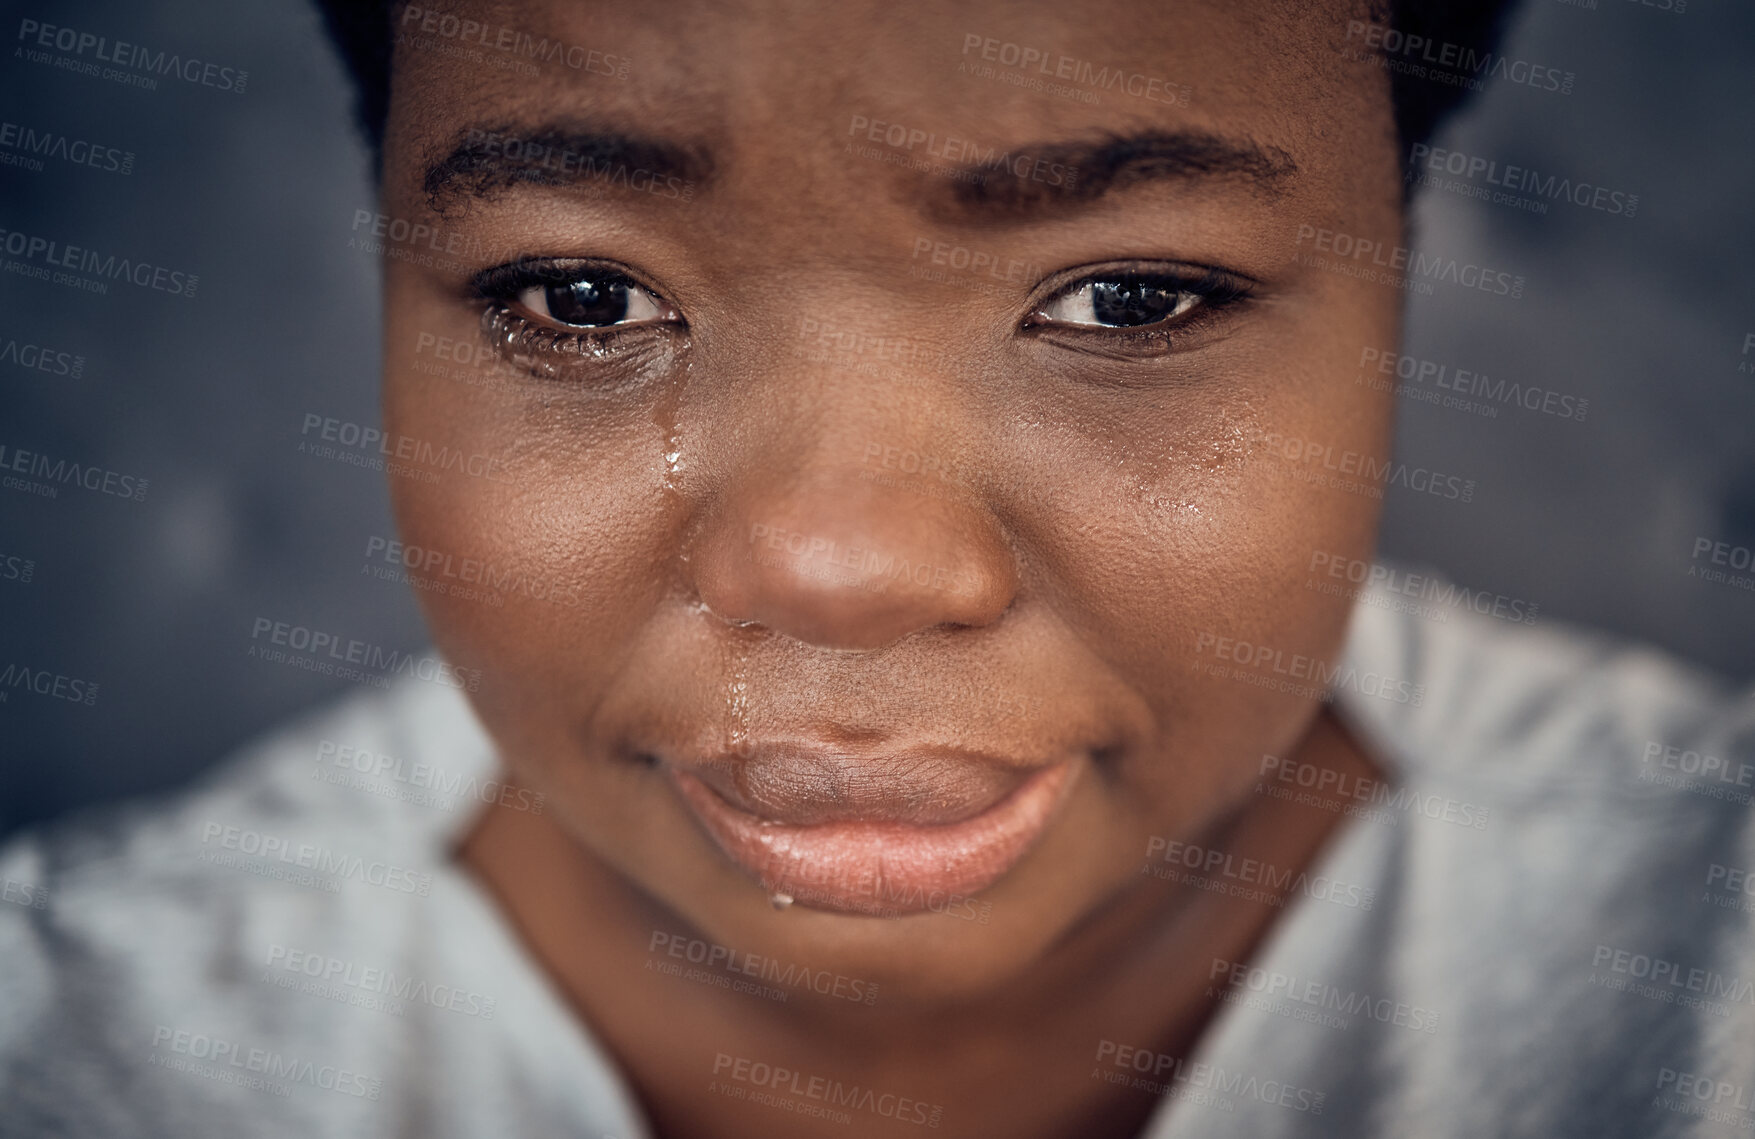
1104, 508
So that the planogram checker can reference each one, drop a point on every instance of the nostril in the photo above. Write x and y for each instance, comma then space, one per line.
845, 563
838, 587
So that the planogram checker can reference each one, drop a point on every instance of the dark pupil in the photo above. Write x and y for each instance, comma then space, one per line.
1128, 303
589, 301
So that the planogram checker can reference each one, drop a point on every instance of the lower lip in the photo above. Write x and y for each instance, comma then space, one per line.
881, 868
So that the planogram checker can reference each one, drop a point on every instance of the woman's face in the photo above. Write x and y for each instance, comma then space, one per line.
875, 433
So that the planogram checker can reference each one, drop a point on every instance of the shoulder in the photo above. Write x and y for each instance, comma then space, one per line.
330, 786
1602, 912
1541, 707
147, 942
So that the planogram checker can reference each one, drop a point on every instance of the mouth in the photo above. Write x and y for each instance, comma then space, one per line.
893, 833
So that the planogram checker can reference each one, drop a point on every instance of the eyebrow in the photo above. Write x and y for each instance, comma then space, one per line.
1055, 176
487, 160
1002, 184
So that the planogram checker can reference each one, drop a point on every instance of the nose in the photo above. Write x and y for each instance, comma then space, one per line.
843, 560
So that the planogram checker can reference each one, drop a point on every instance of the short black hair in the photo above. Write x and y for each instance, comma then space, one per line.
1463, 36
1425, 88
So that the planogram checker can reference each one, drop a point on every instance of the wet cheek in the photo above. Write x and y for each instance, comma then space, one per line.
1193, 534
1147, 511
546, 571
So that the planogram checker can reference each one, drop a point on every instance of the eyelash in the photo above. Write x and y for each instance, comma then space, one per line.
553, 351
1214, 290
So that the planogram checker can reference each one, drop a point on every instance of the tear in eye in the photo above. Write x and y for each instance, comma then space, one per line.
1123, 302
595, 301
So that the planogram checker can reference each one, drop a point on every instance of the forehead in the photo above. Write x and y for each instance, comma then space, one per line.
778, 88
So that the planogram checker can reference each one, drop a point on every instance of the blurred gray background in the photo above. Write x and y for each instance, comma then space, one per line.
1594, 520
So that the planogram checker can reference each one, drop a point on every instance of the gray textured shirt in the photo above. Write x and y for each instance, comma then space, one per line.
1539, 925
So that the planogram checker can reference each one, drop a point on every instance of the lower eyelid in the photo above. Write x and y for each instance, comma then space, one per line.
559, 353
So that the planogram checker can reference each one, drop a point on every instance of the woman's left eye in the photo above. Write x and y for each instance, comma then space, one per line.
1119, 302
595, 300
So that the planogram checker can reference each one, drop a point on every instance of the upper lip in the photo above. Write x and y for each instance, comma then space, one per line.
802, 783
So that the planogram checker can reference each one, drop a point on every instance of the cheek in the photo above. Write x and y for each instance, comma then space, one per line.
542, 573
1204, 515
1188, 527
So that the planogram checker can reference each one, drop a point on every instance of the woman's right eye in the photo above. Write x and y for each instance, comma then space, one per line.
574, 319
595, 299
